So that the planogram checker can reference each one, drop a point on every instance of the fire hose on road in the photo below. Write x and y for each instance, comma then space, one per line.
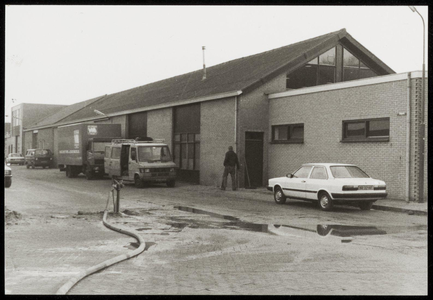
142, 245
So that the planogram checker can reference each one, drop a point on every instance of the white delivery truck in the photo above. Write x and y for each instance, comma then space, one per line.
140, 161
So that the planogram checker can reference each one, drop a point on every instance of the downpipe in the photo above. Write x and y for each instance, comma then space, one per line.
142, 245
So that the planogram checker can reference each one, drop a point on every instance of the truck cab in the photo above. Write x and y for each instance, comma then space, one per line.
140, 162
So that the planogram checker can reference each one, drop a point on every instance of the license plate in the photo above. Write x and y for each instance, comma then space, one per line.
365, 187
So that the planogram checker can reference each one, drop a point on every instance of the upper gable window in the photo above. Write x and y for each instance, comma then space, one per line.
353, 68
320, 70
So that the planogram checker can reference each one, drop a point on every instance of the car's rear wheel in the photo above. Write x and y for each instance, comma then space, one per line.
27, 166
365, 205
325, 201
279, 197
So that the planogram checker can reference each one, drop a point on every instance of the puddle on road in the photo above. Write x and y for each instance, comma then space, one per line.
135, 245
321, 229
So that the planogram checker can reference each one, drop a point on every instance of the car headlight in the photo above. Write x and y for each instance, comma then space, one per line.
172, 170
51, 158
350, 187
144, 170
36, 158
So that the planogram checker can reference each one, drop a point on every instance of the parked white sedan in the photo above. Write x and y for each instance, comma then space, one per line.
329, 184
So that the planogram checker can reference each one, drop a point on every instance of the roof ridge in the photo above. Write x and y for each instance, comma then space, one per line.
343, 30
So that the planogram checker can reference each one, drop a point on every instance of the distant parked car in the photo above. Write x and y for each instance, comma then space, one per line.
39, 158
8, 176
329, 184
15, 158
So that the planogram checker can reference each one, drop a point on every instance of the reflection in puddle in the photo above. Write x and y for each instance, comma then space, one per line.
199, 211
321, 230
344, 230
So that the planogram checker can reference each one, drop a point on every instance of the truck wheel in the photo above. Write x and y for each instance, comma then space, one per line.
138, 183
171, 183
69, 172
33, 165
89, 174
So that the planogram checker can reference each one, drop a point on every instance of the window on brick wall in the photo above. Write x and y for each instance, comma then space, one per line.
290, 133
366, 130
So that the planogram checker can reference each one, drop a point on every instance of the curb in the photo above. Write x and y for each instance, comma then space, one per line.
401, 210
381, 207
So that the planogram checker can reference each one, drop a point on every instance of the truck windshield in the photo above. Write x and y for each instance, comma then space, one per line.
43, 152
99, 146
153, 153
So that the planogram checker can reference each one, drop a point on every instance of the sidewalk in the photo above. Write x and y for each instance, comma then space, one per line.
386, 204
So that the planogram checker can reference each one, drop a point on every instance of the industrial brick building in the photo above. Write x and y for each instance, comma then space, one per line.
326, 99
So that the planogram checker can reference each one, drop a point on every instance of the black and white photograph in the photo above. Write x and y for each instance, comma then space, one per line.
216, 150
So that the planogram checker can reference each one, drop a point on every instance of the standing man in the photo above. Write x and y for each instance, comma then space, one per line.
230, 161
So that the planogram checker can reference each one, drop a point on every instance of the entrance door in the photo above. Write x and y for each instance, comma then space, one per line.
253, 159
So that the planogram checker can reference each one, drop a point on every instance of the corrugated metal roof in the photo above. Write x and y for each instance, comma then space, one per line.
235, 75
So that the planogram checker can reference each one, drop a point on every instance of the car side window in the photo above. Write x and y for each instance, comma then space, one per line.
319, 173
303, 172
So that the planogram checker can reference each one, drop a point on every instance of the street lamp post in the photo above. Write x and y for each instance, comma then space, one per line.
421, 130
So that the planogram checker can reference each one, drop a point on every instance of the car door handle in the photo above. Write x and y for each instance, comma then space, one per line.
303, 181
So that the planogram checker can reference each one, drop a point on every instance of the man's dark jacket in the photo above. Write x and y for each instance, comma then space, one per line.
231, 159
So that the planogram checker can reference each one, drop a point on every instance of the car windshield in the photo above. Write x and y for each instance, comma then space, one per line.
348, 172
43, 152
153, 153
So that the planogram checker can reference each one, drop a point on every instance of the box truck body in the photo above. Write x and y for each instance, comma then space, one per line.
81, 147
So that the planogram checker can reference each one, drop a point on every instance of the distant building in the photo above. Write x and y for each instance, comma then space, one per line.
22, 116
326, 99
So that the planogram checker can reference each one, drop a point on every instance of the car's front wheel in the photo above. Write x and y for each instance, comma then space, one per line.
366, 205
279, 197
325, 201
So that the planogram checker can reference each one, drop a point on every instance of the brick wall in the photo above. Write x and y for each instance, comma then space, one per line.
216, 134
322, 114
160, 125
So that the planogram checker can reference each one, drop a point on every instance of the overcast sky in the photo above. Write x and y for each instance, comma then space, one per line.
68, 54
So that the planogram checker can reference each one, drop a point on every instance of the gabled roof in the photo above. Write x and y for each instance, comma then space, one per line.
242, 75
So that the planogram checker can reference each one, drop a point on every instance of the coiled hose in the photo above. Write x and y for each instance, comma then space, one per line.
71, 282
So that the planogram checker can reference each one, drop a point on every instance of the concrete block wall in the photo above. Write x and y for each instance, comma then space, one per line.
217, 133
322, 114
160, 125
253, 116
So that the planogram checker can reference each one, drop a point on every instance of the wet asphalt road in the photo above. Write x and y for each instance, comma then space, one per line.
223, 219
